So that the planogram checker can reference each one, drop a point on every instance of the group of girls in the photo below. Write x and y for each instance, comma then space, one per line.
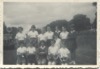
45, 48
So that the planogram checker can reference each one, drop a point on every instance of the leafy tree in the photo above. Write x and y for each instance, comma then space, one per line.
58, 23
94, 25
14, 31
94, 3
81, 22
39, 30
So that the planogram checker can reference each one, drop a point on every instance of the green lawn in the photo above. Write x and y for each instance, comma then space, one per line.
86, 51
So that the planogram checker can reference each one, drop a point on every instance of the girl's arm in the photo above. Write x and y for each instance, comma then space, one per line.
67, 35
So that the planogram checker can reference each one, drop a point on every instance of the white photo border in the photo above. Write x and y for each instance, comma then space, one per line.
49, 66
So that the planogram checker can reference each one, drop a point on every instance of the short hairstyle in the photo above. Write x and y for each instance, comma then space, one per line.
20, 28
33, 26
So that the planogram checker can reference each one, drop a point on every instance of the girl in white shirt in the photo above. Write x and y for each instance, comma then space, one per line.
64, 34
57, 40
32, 34
49, 36
20, 36
42, 36
57, 44
52, 53
42, 53
21, 51
31, 54
64, 54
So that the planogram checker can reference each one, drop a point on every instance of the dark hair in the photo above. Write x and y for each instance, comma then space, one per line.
20, 28
33, 26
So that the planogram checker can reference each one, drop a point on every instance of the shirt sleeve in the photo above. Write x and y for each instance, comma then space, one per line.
34, 49
36, 33
28, 33
24, 36
38, 37
45, 36
52, 33
67, 35
16, 37
24, 49
68, 51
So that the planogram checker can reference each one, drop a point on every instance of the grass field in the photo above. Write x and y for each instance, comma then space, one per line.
85, 53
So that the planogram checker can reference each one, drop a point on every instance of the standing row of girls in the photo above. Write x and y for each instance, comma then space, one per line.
47, 47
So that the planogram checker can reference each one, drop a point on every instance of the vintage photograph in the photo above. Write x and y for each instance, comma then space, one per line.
49, 33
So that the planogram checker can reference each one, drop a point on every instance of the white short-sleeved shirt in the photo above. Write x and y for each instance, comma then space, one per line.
64, 35
20, 36
32, 34
42, 37
31, 50
21, 50
49, 35
63, 52
58, 42
53, 50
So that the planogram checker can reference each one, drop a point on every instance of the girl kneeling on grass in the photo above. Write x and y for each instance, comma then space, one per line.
42, 53
52, 53
21, 51
31, 53
64, 54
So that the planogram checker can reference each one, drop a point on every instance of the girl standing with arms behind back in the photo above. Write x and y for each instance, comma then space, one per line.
32, 35
49, 36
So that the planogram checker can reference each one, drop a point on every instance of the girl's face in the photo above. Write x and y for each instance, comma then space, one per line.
20, 30
32, 29
63, 29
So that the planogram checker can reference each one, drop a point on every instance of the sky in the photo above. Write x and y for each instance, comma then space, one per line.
25, 14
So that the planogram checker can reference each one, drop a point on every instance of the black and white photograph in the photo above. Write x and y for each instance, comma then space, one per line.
50, 33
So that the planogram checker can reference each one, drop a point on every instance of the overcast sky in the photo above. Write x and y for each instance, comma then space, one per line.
40, 14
